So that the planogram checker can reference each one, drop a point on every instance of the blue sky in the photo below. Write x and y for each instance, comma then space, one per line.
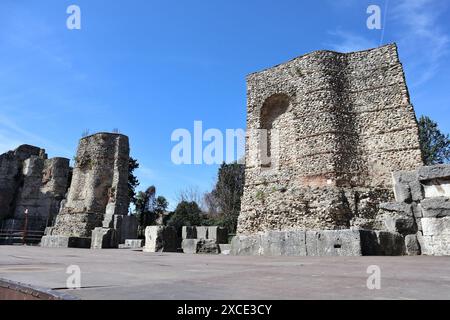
150, 67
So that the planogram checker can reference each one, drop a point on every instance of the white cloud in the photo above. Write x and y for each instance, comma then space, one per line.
349, 42
421, 37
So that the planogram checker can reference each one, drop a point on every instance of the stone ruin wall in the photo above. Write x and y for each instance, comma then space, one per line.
28, 180
99, 188
344, 122
421, 211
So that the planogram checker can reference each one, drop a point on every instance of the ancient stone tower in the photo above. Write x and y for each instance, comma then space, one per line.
98, 194
326, 130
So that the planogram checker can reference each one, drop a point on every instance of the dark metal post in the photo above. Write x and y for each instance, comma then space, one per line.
25, 227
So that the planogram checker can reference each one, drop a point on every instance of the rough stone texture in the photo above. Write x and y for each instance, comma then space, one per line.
333, 243
337, 125
407, 187
103, 238
160, 239
65, 242
435, 207
319, 243
205, 246
423, 214
200, 246
412, 245
434, 172
132, 244
28, 180
98, 195
436, 236
199, 239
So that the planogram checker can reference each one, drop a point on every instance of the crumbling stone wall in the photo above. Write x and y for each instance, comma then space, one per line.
28, 180
421, 212
337, 126
98, 195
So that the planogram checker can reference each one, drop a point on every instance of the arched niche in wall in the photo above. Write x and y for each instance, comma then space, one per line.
273, 124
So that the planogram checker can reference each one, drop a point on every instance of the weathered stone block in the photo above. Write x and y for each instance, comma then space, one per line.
283, 243
417, 210
225, 248
65, 242
396, 223
320, 243
103, 238
132, 244
189, 233
435, 207
441, 171
200, 246
437, 188
246, 245
189, 246
202, 232
160, 239
436, 226
436, 236
401, 181
128, 228
205, 246
397, 207
412, 246
390, 244
333, 243
220, 235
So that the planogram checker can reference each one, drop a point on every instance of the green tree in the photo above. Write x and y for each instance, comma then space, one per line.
145, 207
224, 202
133, 181
161, 205
186, 214
434, 144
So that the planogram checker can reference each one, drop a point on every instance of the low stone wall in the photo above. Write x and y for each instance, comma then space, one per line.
206, 240
319, 243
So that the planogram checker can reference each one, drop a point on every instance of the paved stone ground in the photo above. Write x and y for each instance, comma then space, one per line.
128, 274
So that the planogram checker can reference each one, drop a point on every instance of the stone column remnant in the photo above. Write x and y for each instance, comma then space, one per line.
98, 195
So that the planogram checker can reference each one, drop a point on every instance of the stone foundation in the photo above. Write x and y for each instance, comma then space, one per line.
65, 242
319, 243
